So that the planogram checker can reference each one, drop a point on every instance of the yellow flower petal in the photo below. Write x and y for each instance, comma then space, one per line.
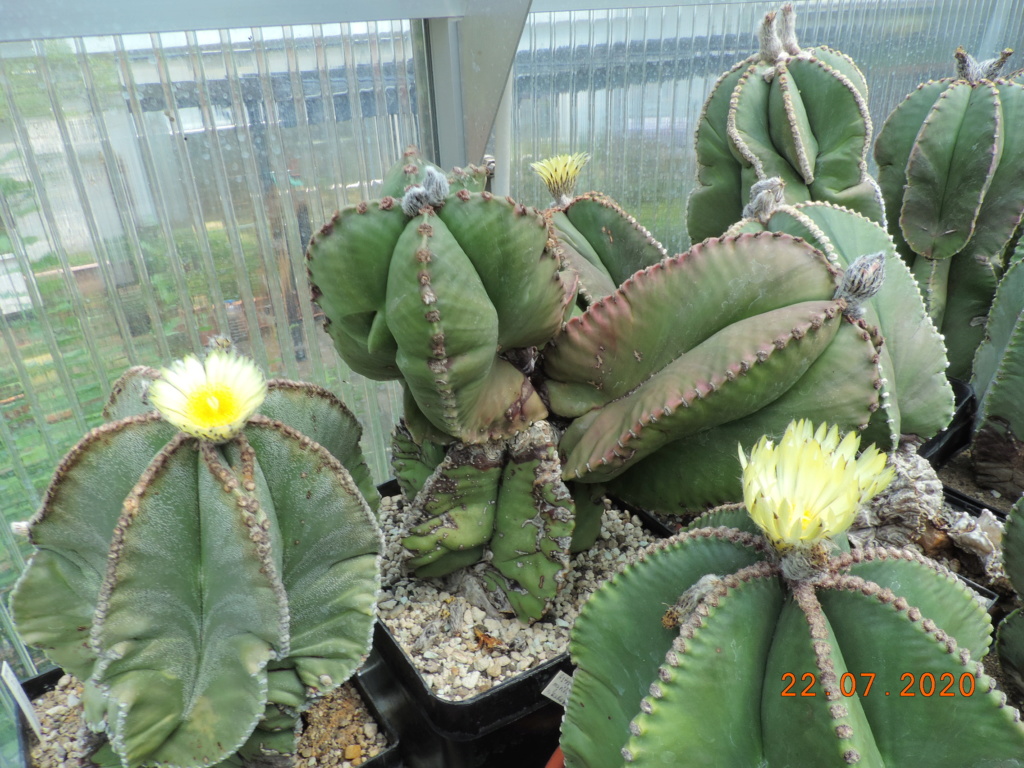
810, 486
210, 399
560, 173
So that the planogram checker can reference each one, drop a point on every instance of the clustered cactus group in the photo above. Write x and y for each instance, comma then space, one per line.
207, 585
221, 549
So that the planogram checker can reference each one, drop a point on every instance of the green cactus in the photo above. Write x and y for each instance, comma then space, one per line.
778, 647
951, 169
916, 396
452, 293
998, 437
602, 244
720, 345
798, 114
1010, 633
205, 589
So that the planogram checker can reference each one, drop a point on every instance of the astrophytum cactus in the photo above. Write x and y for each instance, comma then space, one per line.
951, 168
596, 239
452, 293
917, 399
779, 647
1010, 634
449, 292
205, 585
797, 114
719, 345
998, 378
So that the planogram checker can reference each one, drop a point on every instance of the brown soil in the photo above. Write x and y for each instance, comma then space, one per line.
959, 473
339, 731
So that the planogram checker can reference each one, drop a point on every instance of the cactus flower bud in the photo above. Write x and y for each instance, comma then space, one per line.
810, 486
210, 399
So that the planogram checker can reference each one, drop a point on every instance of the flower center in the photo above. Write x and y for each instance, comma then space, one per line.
212, 405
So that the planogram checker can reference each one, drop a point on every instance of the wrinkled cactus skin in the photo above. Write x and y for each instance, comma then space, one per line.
703, 683
452, 291
204, 594
998, 379
1010, 634
503, 502
799, 114
951, 170
715, 347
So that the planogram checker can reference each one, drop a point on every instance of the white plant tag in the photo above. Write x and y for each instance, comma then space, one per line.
11, 681
558, 688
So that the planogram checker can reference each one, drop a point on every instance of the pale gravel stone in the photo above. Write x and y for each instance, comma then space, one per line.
431, 622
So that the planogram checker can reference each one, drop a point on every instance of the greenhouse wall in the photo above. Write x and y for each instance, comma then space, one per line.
158, 186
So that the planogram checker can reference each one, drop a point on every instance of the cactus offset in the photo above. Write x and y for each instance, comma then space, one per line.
705, 682
798, 114
951, 169
205, 592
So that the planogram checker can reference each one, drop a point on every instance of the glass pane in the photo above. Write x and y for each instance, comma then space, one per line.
156, 190
627, 85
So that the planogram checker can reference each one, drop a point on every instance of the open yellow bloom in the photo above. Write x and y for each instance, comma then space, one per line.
211, 399
560, 173
810, 486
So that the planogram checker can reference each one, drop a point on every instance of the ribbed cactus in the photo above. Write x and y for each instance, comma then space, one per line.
205, 587
596, 239
998, 379
452, 292
951, 169
798, 114
720, 345
916, 396
1010, 634
779, 648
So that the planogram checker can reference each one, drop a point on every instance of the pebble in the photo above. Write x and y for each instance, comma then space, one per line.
433, 623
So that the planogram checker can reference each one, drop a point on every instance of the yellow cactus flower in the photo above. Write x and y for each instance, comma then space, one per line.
210, 399
560, 173
809, 486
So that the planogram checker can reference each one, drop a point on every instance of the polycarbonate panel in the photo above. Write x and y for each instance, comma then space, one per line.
627, 85
160, 189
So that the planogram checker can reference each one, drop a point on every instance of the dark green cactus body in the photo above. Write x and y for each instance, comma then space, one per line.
800, 115
719, 346
998, 440
951, 170
751, 670
502, 501
1010, 634
916, 395
199, 590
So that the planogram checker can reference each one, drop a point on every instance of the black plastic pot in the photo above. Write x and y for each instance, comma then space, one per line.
957, 436
47, 681
513, 725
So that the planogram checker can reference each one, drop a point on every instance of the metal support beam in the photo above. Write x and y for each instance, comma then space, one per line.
470, 61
